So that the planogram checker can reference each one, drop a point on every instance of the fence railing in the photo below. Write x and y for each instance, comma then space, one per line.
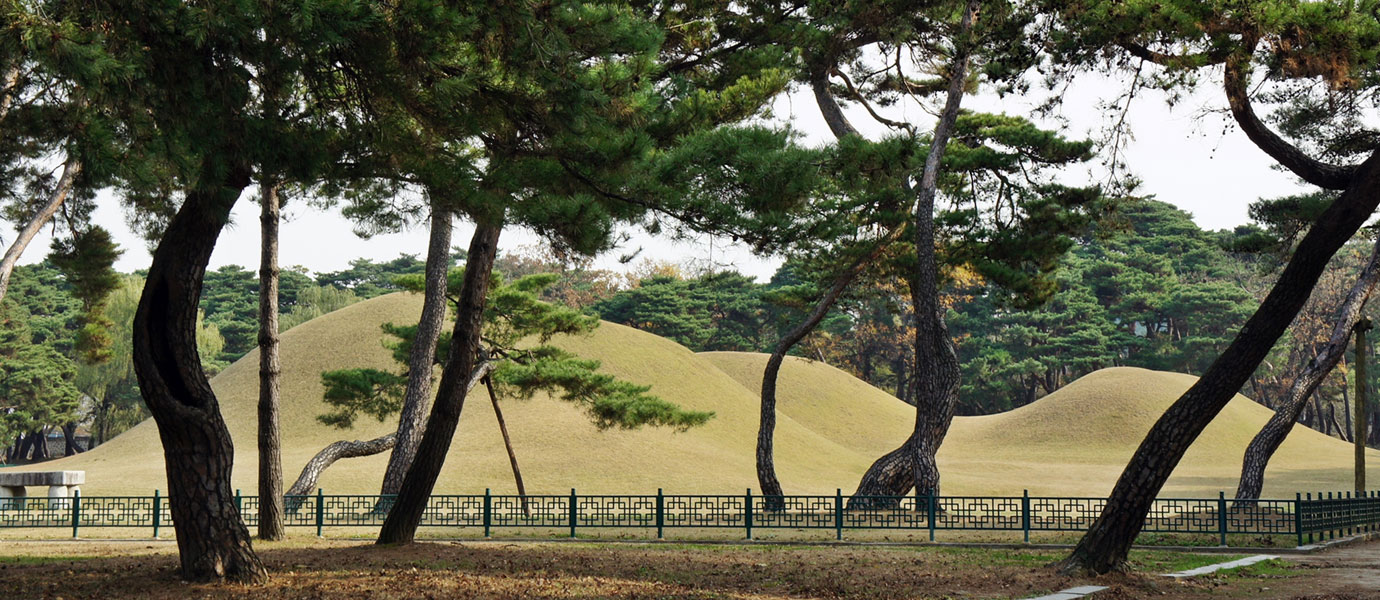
1303, 517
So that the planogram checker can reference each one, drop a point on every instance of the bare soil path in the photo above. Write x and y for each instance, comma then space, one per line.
358, 570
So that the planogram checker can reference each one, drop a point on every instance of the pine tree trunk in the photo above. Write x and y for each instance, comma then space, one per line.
406, 515
417, 398
7, 88
1319, 418
936, 381
1346, 408
212, 540
1106, 543
30, 451
899, 368
70, 169
312, 471
1358, 436
1333, 423
766, 467
271, 518
69, 440
1264, 444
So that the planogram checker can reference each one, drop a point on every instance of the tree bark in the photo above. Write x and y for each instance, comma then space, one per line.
1358, 437
212, 540
312, 471
936, 381
1264, 444
508, 445
1333, 423
70, 169
1346, 408
271, 517
417, 398
69, 439
8, 90
1106, 543
406, 515
766, 467
766, 427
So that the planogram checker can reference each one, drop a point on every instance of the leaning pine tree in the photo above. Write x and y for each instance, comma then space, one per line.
1326, 55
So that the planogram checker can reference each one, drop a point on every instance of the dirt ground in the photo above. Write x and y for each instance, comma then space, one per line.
311, 568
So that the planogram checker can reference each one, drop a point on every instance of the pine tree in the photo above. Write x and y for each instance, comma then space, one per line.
1320, 146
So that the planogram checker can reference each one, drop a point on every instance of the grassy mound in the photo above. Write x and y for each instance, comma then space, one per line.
830, 428
1073, 442
557, 446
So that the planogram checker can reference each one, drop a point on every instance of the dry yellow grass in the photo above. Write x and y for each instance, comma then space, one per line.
831, 427
1073, 442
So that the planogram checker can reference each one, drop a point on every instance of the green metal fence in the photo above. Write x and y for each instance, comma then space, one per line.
1305, 517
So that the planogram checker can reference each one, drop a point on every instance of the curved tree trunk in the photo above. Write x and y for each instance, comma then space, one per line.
1264, 444
1106, 543
417, 398
402, 522
70, 169
318, 464
271, 525
212, 540
936, 376
766, 428
311, 472
766, 467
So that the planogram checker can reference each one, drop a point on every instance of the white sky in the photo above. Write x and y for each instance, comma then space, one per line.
1190, 156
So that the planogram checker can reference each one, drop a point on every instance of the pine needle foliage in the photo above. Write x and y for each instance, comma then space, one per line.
518, 327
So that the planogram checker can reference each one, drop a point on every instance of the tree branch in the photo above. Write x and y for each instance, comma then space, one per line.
1321, 174
829, 107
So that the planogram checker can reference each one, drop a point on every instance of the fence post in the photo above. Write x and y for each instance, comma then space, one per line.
1222, 518
239, 503
1025, 514
930, 512
76, 511
1309, 497
573, 512
838, 513
660, 515
1350, 513
1298, 516
747, 512
488, 511
320, 511
157, 512
1332, 516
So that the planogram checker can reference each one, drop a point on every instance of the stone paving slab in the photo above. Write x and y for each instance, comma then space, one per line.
1072, 593
1249, 560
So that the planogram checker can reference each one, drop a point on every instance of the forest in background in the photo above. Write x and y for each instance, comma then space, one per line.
1152, 290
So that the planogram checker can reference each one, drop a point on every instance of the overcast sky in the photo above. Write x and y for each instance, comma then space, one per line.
1191, 156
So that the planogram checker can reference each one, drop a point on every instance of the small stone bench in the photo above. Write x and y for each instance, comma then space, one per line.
61, 486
